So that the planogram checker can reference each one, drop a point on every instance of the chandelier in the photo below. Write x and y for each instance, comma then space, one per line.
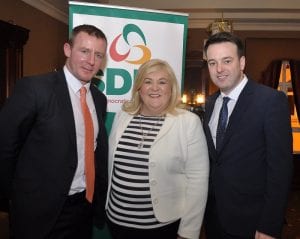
220, 25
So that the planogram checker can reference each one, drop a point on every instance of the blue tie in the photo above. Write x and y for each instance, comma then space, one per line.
222, 123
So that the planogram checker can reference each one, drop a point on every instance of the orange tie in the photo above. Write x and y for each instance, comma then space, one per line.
89, 146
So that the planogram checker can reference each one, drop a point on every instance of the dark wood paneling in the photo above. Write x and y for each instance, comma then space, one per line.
12, 40
261, 51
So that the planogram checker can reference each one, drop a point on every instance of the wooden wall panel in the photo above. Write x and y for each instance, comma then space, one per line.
261, 51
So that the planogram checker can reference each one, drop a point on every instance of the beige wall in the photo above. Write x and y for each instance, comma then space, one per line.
210, 4
43, 51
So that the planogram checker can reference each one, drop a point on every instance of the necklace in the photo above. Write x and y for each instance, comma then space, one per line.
145, 134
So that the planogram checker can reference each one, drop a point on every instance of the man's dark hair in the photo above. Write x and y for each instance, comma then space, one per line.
225, 37
89, 29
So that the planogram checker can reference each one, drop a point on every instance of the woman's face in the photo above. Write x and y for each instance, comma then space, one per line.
155, 93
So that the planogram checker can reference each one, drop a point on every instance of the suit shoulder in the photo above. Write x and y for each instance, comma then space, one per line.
266, 91
41, 76
37, 83
47, 78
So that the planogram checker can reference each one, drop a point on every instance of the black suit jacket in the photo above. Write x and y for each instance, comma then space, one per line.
250, 176
38, 153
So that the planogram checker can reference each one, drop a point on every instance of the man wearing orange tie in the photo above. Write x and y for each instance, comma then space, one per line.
53, 146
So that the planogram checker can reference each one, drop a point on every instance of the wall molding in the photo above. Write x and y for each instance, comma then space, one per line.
243, 19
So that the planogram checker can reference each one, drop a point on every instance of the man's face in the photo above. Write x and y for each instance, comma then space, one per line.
85, 56
225, 66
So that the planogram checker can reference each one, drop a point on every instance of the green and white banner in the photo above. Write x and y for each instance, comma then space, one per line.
134, 36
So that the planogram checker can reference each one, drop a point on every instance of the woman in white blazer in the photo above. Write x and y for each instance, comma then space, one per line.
158, 162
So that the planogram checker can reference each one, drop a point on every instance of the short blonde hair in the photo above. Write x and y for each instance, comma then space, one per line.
134, 105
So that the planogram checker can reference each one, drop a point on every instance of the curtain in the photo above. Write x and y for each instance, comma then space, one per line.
295, 75
271, 75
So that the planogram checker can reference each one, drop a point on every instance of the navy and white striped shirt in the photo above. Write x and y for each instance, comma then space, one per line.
129, 201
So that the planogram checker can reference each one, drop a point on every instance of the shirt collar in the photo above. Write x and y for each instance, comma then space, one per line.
235, 93
73, 82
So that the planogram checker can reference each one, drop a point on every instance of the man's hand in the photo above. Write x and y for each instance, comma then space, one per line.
260, 235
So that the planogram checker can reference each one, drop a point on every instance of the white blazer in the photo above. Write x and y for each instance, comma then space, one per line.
178, 169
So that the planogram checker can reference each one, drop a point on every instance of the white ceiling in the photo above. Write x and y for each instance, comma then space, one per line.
246, 15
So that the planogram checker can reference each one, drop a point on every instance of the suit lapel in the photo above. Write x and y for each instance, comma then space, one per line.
234, 120
99, 110
209, 107
238, 112
65, 105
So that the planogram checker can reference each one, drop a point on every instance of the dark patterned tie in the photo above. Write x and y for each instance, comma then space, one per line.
223, 116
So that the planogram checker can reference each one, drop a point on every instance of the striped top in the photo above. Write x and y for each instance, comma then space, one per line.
129, 202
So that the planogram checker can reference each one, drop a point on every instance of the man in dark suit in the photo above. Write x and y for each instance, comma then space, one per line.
42, 146
251, 162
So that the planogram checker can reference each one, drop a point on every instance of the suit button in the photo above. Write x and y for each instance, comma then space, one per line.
152, 164
155, 201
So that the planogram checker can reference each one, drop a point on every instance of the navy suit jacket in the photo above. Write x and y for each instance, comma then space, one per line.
250, 176
38, 153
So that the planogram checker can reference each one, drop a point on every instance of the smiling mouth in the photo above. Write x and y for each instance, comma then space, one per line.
87, 69
221, 77
154, 95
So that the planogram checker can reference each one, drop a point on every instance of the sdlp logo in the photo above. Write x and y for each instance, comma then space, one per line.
114, 75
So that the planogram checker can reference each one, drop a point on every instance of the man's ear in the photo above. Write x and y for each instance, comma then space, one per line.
242, 63
67, 49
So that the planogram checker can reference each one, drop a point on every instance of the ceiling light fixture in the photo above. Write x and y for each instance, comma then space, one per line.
220, 25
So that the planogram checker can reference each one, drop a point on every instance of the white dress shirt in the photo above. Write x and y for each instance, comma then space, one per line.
74, 86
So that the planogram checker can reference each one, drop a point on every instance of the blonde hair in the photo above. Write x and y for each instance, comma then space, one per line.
134, 105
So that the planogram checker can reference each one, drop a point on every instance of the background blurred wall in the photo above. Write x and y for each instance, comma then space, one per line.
43, 51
